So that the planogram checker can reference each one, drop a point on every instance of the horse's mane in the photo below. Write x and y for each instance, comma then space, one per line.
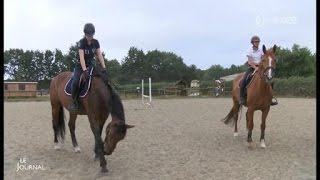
115, 101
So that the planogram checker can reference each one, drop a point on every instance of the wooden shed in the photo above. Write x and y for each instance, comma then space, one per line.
20, 89
178, 88
181, 85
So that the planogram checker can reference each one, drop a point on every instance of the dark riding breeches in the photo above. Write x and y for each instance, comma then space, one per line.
76, 78
244, 80
75, 81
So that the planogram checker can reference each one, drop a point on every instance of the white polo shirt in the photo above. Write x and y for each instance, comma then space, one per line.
255, 54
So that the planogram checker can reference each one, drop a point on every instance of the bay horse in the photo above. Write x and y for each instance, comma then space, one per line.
100, 100
259, 95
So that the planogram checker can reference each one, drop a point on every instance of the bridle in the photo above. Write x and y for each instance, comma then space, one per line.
268, 71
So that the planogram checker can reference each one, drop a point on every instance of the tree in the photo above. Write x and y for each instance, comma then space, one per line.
214, 72
295, 62
60, 61
114, 70
25, 71
39, 65
51, 67
133, 66
11, 62
71, 58
20, 65
170, 67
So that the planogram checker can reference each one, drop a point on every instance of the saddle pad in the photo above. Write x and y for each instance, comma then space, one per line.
84, 87
249, 79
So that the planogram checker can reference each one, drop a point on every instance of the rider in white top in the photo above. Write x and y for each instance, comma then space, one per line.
254, 55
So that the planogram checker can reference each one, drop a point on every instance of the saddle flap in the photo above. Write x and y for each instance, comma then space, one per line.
84, 86
250, 78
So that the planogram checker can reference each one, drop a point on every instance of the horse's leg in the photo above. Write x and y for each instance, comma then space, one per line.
249, 117
55, 122
263, 126
97, 156
72, 127
236, 115
98, 148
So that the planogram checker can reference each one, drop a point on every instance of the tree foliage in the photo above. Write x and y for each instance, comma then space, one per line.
162, 66
295, 62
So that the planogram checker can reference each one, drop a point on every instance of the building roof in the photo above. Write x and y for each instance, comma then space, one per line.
230, 77
181, 81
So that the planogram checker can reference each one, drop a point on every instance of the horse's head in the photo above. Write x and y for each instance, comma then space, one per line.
115, 131
267, 64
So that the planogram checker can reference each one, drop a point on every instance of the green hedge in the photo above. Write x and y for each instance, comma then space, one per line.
289, 87
295, 86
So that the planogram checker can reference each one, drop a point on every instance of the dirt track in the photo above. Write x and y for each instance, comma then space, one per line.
176, 139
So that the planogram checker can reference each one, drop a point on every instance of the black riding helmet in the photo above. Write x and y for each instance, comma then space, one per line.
89, 29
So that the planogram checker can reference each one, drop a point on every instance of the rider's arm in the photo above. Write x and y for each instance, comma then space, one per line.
82, 62
252, 63
100, 57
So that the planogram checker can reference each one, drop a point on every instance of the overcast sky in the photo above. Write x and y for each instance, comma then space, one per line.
202, 32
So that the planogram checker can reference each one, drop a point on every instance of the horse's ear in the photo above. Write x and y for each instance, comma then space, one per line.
274, 48
264, 49
129, 126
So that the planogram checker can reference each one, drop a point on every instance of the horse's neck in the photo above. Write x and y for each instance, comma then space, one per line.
116, 119
100, 89
262, 84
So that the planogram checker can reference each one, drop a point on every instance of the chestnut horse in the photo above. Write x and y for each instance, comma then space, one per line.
259, 95
97, 104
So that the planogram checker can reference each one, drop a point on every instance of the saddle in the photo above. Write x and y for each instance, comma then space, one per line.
84, 86
249, 79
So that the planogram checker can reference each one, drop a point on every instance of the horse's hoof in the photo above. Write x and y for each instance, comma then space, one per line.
57, 146
104, 170
249, 145
235, 134
262, 144
60, 140
77, 149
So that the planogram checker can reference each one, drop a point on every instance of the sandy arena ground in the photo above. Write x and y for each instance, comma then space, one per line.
176, 139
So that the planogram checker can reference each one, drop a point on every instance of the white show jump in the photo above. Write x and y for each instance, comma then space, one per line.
145, 96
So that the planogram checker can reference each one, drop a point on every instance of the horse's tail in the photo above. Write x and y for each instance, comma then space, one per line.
117, 109
231, 117
61, 123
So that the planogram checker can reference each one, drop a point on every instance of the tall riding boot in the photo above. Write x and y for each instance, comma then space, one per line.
74, 103
242, 86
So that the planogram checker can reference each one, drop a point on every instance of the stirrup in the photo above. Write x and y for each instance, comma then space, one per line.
241, 101
73, 106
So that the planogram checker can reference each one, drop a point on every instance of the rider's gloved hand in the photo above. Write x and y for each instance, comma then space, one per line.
86, 75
